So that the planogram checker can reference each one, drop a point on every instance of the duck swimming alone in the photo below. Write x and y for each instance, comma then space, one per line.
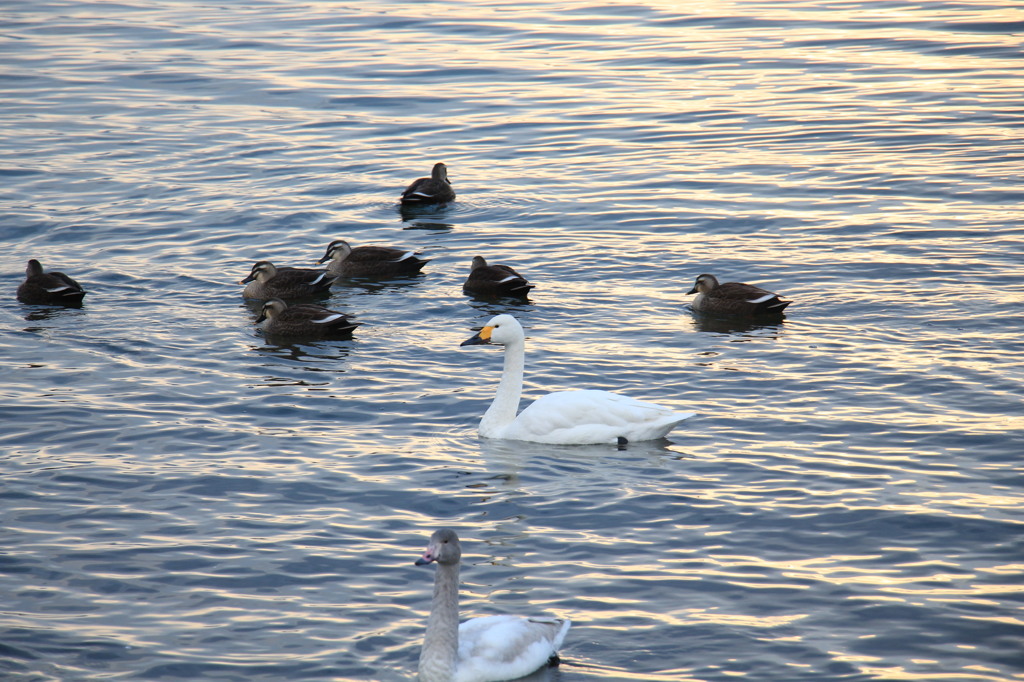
734, 298
436, 189
53, 288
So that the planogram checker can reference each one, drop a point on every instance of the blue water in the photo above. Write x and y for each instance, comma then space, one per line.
185, 500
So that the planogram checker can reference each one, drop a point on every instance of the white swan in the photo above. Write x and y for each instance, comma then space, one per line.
485, 649
566, 417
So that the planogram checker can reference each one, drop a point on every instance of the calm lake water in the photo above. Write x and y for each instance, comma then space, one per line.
185, 500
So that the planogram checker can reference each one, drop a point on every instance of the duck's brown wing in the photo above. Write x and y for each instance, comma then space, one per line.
418, 190
507, 271
63, 280
427, 191
307, 318
739, 291
52, 288
366, 255
497, 279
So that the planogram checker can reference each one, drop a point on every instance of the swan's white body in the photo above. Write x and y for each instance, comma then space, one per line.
506, 647
487, 649
567, 417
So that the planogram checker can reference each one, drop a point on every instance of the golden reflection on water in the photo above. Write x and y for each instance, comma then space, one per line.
744, 620
713, 166
900, 673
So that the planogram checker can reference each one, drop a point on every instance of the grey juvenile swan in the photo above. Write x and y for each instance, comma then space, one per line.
487, 649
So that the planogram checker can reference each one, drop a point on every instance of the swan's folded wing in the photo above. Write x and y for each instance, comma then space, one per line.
579, 417
507, 647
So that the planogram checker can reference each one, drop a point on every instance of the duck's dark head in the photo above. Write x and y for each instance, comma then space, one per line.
704, 284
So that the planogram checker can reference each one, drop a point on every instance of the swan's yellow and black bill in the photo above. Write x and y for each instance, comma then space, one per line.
481, 337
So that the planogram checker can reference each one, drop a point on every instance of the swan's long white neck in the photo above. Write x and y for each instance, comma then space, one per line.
505, 406
440, 651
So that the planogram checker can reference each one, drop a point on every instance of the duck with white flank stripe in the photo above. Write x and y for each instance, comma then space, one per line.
305, 319
437, 189
370, 261
495, 280
267, 281
49, 288
734, 299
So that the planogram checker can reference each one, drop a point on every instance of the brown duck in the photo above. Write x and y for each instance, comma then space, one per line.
266, 281
734, 299
495, 280
370, 261
436, 189
48, 288
277, 318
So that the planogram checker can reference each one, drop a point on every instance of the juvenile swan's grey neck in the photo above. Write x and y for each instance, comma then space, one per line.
441, 641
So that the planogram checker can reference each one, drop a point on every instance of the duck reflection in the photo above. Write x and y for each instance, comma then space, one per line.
40, 314
433, 225
501, 303
376, 285
771, 324
425, 217
305, 352
497, 305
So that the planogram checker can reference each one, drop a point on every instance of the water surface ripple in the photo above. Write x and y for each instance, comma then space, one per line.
184, 499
